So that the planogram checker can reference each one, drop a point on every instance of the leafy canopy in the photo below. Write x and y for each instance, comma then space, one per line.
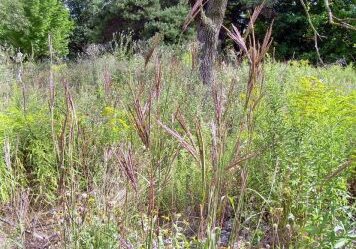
26, 24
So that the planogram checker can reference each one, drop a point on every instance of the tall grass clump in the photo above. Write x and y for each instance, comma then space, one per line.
129, 150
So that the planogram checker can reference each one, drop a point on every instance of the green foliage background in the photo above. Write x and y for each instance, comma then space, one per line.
26, 24
293, 37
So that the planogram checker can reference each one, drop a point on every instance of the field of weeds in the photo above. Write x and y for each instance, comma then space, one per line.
113, 151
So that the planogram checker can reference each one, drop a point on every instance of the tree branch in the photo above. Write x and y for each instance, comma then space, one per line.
316, 34
336, 21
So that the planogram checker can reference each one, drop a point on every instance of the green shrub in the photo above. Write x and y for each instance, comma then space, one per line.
98, 235
304, 132
31, 148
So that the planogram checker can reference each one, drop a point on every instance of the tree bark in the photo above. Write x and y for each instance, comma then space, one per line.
211, 19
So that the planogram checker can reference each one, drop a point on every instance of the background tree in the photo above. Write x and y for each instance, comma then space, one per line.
83, 13
292, 34
212, 18
26, 25
10, 31
98, 20
211, 15
169, 22
123, 15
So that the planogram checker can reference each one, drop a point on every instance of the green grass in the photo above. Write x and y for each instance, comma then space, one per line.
126, 156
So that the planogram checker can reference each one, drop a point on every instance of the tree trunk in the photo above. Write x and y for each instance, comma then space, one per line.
208, 35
